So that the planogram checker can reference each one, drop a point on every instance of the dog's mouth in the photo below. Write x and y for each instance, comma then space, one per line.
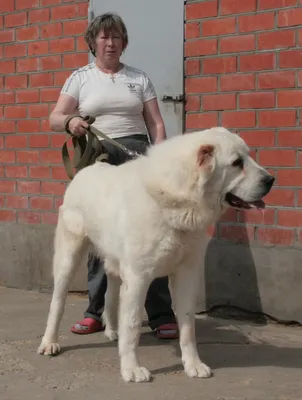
236, 202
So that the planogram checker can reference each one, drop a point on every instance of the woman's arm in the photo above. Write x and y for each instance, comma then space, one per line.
154, 121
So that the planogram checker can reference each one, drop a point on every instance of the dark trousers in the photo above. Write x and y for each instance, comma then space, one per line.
158, 301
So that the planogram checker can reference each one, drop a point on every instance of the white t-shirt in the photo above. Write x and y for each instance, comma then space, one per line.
116, 103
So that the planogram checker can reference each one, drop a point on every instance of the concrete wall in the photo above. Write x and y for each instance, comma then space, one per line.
243, 70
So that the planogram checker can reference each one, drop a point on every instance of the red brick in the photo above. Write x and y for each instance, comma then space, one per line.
273, 4
201, 121
237, 6
7, 97
201, 47
290, 138
280, 197
277, 118
192, 67
299, 198
238, 234
58, 173
7, 186
50, 94
290, 17
277, 158
17, 202
39, 16
290, 218
239, 119
216, 26
263, 217
41, 203
7, 127
7, 157
7, 216
61, 45
7, 36
16, 171
23, 4
256, 22
237, 82
39, 140
219, 65
45, 125
16, 141
49, 218
219, 102
273, 236
60, 77
28, 157
29, 217
28, 126
38, 110
7, 6
278, 79
229, 216
58, 202
300, 37
49, 2
290, 59
201, 85
234, 44
39, 172
258, 138
77, 27
40, 80
52, 30
289, 98
81, 44
257, 62
193, 103
51, 63
15, 112
276, 40
27, 64
57, 139
202, 10
37, 48
289, 177
15, 50
17, 19
28, 187
51, 157
192, 30
7, 66
27, 96
53, 188
28, 33
257, 100
64, 12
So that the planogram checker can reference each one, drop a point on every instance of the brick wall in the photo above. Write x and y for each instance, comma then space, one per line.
41, 43
244, 71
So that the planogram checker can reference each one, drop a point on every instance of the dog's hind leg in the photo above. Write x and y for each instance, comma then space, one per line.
185, 283
110, 314
69, 246
132, 299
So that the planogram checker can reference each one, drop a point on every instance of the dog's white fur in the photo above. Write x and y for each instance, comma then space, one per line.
147, 218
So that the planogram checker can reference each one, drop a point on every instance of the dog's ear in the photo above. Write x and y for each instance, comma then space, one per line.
205, 153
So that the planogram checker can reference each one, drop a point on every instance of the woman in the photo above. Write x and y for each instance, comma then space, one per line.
123, 101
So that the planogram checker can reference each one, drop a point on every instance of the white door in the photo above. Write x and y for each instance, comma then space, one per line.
156, 37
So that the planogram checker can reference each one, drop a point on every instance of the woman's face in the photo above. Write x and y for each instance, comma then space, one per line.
109, 47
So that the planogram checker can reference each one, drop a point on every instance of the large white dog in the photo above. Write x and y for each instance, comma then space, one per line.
147, 218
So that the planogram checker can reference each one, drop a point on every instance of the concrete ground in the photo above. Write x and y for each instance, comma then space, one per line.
250, 361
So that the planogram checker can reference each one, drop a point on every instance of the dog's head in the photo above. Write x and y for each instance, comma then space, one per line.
228, 174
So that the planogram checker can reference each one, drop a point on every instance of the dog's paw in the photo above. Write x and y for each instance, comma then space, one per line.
136, 374
197, 369
49, 349
111, 334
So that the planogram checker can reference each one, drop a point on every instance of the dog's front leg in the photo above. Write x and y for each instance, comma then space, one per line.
185, 283
132, 299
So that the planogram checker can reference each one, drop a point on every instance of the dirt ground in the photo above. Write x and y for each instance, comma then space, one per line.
250, 361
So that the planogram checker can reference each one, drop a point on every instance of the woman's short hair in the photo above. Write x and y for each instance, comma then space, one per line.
107, 23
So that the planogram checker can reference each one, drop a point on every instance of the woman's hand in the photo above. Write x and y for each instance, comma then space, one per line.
77, 126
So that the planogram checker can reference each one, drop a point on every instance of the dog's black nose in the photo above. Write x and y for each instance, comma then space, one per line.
268, 181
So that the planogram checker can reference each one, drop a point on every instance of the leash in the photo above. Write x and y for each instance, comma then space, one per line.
87, 148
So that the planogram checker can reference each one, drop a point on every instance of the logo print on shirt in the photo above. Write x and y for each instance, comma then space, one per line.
132, 87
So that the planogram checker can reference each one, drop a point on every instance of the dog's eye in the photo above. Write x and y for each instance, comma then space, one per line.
238, 163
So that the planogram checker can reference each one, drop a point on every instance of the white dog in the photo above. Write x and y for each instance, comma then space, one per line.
147, 218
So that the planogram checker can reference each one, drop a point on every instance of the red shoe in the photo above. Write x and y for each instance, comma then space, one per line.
87, 326
167, 331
